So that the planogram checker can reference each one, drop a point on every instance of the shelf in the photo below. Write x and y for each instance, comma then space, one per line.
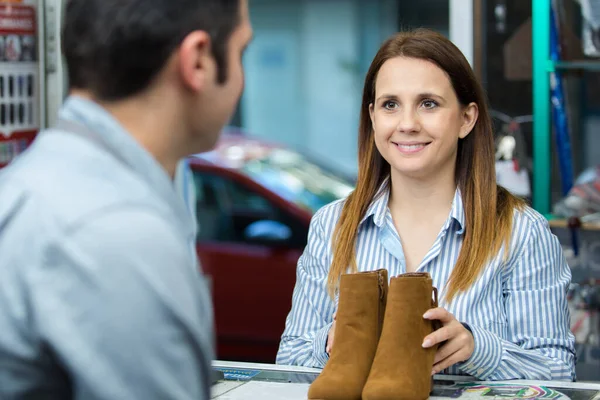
562, 223
581, 65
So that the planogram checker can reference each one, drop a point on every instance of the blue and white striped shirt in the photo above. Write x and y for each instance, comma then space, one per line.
517, 309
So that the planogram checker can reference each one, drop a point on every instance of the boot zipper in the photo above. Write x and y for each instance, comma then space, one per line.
381, 301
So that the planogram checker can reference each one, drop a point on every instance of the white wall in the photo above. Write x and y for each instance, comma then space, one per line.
272, 105
305, 71
331, 67
461, 26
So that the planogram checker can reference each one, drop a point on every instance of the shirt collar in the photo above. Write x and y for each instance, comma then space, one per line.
123, 146
457, 213
379, 208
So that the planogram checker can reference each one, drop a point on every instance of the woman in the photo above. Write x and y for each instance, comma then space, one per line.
426, 200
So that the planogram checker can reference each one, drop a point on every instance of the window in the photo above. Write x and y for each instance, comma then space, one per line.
298, 179
213, 218
225, 209
242, 198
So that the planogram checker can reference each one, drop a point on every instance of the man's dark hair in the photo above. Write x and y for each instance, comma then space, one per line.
115, 48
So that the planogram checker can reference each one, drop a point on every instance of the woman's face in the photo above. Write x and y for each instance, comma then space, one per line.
417, 118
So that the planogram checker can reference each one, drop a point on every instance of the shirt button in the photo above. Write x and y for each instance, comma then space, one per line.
480, 371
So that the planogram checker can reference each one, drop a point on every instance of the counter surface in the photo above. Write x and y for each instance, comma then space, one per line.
250, 381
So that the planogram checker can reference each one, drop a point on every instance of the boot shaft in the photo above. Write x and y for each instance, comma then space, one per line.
402, 367
361, 311
358, 325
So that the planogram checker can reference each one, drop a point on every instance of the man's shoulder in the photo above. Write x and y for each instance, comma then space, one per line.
70, 184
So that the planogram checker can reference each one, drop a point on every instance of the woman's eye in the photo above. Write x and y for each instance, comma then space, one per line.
390, 105
429, 104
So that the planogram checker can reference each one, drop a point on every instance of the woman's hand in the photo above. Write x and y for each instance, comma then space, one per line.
330, 336
459, 343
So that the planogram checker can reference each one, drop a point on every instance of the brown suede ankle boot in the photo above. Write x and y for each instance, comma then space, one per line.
359, 320
402, 367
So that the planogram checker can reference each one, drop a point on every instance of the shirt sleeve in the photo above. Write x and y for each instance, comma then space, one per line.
122, 307
541, 345
307, 326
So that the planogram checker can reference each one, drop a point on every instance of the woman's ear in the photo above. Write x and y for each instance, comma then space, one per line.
469, 114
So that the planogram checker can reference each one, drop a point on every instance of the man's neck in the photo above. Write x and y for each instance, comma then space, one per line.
150, 123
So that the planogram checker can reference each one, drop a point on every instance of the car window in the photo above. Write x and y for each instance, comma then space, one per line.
226, 208
241, 197
298, 179
211, 212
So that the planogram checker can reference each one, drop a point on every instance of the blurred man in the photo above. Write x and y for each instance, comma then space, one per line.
100, 291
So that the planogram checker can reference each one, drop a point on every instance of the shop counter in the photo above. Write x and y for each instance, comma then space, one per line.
248, 381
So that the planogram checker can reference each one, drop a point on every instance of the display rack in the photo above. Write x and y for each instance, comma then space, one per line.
543, 66
585, 265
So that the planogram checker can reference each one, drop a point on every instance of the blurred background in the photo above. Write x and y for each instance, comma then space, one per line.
292, 144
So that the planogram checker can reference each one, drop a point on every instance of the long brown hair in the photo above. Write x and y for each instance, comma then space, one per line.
488, 208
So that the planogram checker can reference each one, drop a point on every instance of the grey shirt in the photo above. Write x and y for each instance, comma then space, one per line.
101, 296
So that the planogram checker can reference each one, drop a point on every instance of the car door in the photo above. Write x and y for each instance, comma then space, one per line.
249, 247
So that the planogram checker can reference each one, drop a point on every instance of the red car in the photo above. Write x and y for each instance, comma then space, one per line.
254, 205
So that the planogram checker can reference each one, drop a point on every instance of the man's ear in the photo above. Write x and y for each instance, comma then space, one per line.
195, 61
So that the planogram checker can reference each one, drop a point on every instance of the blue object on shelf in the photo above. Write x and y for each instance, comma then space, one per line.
559, 115
561, 126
